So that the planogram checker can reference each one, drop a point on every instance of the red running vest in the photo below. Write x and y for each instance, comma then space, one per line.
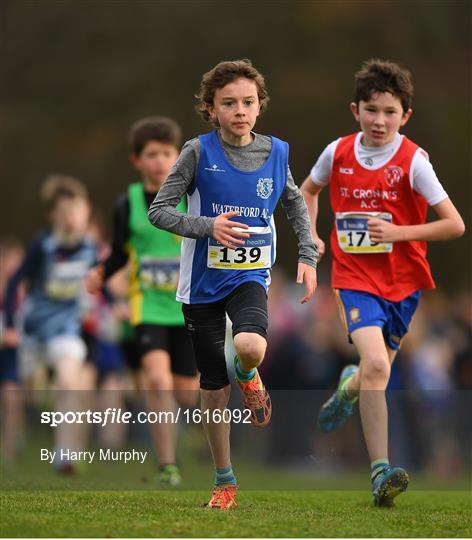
395, 275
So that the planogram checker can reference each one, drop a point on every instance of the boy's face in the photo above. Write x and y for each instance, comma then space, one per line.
236, 107
381, 117
155, 161
70, 218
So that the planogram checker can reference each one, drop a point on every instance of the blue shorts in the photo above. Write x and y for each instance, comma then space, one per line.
8, 365
109, 358
360, 309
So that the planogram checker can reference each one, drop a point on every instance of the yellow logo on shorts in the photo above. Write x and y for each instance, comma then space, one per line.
355, 315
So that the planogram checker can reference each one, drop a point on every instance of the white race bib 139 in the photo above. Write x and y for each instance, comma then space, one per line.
254, 255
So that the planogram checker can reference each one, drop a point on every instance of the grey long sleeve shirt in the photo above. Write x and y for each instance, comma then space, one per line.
163, 214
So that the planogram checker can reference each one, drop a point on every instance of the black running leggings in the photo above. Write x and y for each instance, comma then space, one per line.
246, 306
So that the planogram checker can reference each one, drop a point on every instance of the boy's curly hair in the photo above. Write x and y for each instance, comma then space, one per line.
383, 76
223, 74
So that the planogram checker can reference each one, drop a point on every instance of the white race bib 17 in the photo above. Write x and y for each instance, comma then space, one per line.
353, 235
254, 255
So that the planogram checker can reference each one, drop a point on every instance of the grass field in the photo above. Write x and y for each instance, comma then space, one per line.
260, 514
117, 500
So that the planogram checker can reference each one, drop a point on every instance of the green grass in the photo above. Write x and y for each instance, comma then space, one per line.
116, 500
260, 514
30, 473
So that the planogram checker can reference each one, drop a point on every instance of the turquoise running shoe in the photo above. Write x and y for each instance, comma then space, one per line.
387, 484
169, 475
334, 413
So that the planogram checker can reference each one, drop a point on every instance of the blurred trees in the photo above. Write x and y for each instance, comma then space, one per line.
76, 73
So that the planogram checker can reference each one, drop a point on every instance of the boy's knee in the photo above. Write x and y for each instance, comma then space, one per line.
186, 398
250, 347
68, 375
375, 369
215, 399
160, 381
157, 373
186, 390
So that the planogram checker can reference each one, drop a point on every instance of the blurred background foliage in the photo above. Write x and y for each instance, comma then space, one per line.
76, 73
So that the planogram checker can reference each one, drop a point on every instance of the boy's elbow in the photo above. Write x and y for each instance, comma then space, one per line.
153, 216
309, 189
304, 188
459, 229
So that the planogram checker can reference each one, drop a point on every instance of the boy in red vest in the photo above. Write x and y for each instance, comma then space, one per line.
381, 184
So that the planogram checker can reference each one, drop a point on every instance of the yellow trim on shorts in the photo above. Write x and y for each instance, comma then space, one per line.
342, 311
135, 296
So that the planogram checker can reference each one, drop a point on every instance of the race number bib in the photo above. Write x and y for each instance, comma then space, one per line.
65, 279
353, 235
160, 274
254, 255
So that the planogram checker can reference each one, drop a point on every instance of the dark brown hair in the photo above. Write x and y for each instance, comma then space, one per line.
383, 76
60, 186
223, 74
154, 128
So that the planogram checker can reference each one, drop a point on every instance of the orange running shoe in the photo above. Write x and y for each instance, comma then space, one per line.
223, 497
256, 399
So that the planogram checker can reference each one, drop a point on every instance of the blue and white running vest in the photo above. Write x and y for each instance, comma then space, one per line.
55, 287
208, 270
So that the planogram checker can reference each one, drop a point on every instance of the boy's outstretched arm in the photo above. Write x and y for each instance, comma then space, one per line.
163, 213
449, 226
310, 192
295, 208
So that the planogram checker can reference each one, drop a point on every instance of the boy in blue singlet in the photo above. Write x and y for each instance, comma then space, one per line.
54, 266
225, 264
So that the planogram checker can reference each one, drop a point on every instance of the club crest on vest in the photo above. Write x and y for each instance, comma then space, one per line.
265, 187
393, 175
